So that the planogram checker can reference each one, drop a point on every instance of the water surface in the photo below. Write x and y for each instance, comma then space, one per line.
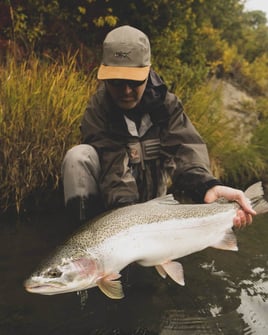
225, 293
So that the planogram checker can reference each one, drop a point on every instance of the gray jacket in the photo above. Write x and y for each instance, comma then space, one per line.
145, 151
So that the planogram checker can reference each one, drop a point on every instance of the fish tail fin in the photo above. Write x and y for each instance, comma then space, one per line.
255, 194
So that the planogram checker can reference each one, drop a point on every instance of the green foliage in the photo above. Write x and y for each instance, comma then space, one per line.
28, 28
258, 74
55, 26
40, 107
196, 33
253, 41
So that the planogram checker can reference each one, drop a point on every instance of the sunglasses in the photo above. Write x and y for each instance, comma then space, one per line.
123, 82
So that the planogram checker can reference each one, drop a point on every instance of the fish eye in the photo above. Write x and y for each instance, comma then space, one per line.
53, 273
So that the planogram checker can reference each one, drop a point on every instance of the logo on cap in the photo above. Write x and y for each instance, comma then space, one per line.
121, 54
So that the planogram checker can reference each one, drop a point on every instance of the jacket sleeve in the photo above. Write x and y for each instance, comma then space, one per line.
117, 185
182, 142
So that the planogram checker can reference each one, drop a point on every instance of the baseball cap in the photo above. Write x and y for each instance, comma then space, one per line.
126, 55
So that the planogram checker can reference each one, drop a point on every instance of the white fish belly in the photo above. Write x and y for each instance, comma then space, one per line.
156, 243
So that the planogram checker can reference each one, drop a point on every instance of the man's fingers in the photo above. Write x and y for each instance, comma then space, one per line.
242, 219
244, 202
249, 218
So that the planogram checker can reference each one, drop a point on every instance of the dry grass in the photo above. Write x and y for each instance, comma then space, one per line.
40, 108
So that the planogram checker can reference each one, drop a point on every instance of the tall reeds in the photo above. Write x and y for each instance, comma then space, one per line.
40, 107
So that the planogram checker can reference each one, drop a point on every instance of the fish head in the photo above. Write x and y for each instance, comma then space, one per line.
70, 275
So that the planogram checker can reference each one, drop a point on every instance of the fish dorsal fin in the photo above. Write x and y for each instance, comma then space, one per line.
173, 269
110, 287
228, 242
167, 199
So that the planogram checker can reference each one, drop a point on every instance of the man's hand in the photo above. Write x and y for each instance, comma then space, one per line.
243, 215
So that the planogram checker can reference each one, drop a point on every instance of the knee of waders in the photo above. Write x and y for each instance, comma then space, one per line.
83, 209
80, 154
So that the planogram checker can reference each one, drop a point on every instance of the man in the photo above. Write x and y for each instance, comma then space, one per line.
137, 140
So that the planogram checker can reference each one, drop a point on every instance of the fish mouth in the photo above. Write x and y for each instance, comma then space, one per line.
34, 286
53, 288
44, 289
48, 289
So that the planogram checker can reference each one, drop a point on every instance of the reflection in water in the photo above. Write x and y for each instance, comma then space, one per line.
250, 317
83, 298
225, 293
254, 308
176, 322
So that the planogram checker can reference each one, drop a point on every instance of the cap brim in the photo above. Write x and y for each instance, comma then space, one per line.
120, 72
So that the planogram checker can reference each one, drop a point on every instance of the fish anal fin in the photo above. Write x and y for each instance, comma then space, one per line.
110, 287
228, 242
161, 271
174, 270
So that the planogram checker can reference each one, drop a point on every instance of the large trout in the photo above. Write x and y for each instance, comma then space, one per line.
155, 233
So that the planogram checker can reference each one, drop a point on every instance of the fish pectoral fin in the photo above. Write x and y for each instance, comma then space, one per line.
228, 242
174, 270
110, 287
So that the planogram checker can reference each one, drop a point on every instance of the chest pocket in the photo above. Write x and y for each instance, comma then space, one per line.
139, 152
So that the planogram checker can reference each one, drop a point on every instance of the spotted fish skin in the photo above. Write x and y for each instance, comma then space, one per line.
154, 233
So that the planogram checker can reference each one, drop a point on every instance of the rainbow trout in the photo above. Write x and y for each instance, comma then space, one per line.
155, 233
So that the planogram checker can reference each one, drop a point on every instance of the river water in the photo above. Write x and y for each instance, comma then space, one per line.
225, 293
